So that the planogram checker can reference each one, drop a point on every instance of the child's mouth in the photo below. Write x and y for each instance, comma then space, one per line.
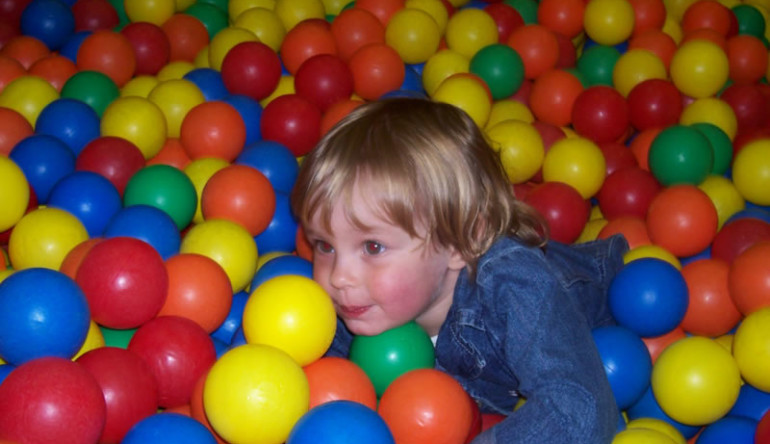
352, 311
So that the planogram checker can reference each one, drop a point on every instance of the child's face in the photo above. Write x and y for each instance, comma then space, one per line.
381, 278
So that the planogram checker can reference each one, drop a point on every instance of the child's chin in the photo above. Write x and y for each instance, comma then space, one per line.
360, 328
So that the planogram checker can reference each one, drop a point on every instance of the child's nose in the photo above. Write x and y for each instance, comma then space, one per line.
341, 274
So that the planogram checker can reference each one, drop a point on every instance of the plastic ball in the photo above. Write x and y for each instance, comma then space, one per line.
565, 18
377, 69
682, 219
169, 427
280, 234
648, 407
725, 197
165, 188
292, 121
563, 208
520, 148
641, 435
255, 393
200, 171
467, 92
652, 251
748, 278
91, 15
28, 95
14, 127
55, 69
131, 392
51, 399
732, 428
309, 38
711, 311
601, 114
88, 196
382, 9
50, 21
282, 265
43, 237
274, 160
137, 120
324, 79
696, 381
634, 67
538, 48
468, 30
596, 64
44, 160
617, 156
751, 171
506, 17
750, 348
14, 193
640, 146
251, 69
354, 28
209, 81
681, 155
92, 87
392, 353
337, 379
151, 46
414, 34
627, 192
110, 53
152, 11
148, 224
228, 244
69, 120
25, 49
334, 420
713, 111
214, 19
263, 22
426, 405
609, 22
699, 68
553, 96
187, 36
626, 363
175, 98
658, 425
112, 157
738, 235
577, 162
752, 403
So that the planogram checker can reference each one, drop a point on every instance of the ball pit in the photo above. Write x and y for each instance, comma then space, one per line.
112, 85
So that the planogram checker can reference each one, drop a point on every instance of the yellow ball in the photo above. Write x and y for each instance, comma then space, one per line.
292, 313
176, 98
467, 93
699, 68
200, 171
139, 86
608, 22
28, 95
441, 66
508, 109
224, 41
672, 27
44, 237
285, 86
751, 171
413, 34
676, 8
520, 148
202, 58
334, 7
634, 67
591, 230
751, 348
14, 193
434, 8
265, 24
174, 70
469, 30
228, 244
94, 340
181, 5
292, 12
255, 394
642, 436
237, 7
654, 251
695, 380
153, 11
658, 425
711, 110
726, 198
137, 120
578, 162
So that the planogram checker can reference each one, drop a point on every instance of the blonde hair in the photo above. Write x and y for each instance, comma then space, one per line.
432, 169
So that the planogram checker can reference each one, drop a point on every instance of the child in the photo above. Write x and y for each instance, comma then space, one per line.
412, 218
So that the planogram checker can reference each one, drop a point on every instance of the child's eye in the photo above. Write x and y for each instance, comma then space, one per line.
324, 247
372, 247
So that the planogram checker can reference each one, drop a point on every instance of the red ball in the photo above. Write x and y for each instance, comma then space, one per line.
129, 388
682, 219
110, 53
377, 69
251, 69
178, 352
762, 434
633, 229
627, 192
563, 208
324, 79
617, 156
750, 105
151, 46
293, 121
213, 129
506, 17
307, 38
648, 14
332, 378
115, 158
738, 235
187, 36
654, 103
50, 400
564, 17
124, 280
600, 113
711, 311
426, 405
92, 15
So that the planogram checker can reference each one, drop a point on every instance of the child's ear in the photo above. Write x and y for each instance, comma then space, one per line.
456, 260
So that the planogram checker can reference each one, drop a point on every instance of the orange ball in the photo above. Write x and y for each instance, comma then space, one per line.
705, 34
382, 9
197, 411
426, 406
747, 57
56, 69
172, 153
648, 14
632, 228
213, 129
553, 96
25, 49
657, 42
14, 128
538, 48
336, 112
562, 16
198, 289
749, 278
10, 69
240, 194
110, 53
355, 28
377, 69
707, 14
332, 378
308, 38
682, 219
187, 36
711, 311
640, 146
656, 344
72, 260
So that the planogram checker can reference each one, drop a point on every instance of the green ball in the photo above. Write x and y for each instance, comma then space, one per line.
680, 155
92, 87
597, 63
750, 20
390, 354
721, 145
166, 188
117, 338
213, 18
500, 67
527, 9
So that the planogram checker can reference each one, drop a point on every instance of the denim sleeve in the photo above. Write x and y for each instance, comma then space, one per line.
340, 346
548, 346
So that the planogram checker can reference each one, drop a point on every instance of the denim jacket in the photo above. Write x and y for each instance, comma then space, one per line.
522, 329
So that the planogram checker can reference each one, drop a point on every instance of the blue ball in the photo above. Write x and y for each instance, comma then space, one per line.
751, 403
149, 224
649, 296
251, 113
90, 197
274, 160
44, 160
413, 79
281, 233
43, 312
282, 265
730, 429
168, 428
210, 82
72, 45
340, 422
50, 21
5, 370
648, 407
71, 121
627, 363
756, 213
226, 331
